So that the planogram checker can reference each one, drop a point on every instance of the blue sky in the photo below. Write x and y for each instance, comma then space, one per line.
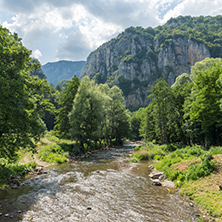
70, 29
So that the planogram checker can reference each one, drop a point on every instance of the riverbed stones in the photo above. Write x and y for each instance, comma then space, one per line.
156, 175
156, 182
151, 167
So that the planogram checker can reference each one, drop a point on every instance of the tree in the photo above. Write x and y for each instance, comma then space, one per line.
163, 110
98, 115
203, 105
87, 114
117, 116
20, 104
66, 103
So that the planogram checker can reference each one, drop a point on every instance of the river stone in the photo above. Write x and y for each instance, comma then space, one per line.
156, 182
156, 175
0, 214
151, 167
162, 177
6, 215
89, 208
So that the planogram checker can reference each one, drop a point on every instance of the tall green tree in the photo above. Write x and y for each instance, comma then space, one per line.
20, 104
117, 116
98, 115
163, 110
203, 105
67, 96
87, 114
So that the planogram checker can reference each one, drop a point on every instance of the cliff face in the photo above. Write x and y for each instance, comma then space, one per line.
134, 61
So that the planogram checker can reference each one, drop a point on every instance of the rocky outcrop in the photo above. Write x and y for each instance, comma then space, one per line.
136, 58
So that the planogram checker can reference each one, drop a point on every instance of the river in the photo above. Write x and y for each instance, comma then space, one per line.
104, 187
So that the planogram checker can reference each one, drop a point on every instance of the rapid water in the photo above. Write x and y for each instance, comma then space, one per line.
104, 187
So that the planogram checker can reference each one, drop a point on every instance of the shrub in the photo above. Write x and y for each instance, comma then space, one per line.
53, 154
215, 150
6, 170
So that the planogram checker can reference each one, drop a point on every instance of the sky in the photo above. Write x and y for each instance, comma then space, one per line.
70, 29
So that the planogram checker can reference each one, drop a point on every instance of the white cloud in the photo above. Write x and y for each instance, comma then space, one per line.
195, 8
80, 26
36, 54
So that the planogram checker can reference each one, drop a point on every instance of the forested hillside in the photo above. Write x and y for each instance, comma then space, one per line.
138, 56
57, 71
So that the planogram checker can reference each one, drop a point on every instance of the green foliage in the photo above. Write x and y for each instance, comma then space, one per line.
62, 83
7, 170
53, 154
160, 121
148, 152
149, 42
203, 105
98, 115
135, 122
38, 71
182, 79
22, 101
66, 98
215, 150
203, 169
195, 170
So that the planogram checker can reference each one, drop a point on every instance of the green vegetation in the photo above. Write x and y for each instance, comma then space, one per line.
189, 111
98, 116
22, 101
184, 124
94, 115
196, 171
66, 102
53, 154
13, 169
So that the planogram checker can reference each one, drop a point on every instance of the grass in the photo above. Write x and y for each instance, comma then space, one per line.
49, 149
197, 172
53, 153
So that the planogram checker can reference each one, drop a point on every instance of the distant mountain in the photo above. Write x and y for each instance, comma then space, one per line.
136, 58
56, 71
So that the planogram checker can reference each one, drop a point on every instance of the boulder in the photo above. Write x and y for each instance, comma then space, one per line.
151, 167
156, 175
156, 182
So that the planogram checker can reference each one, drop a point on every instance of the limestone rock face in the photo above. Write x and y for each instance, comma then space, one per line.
135, 61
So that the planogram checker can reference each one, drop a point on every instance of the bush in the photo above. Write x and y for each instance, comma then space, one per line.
53, 154
203, 169
215, 150
6, 170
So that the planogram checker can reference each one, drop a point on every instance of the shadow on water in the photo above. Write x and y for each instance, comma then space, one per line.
15, 202
104, 187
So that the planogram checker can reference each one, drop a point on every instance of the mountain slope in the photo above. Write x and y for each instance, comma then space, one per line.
138, 56
56, 71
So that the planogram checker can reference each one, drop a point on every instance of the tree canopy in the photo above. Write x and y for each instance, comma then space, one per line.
22, 100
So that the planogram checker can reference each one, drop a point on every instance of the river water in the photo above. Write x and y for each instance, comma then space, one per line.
104, 187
